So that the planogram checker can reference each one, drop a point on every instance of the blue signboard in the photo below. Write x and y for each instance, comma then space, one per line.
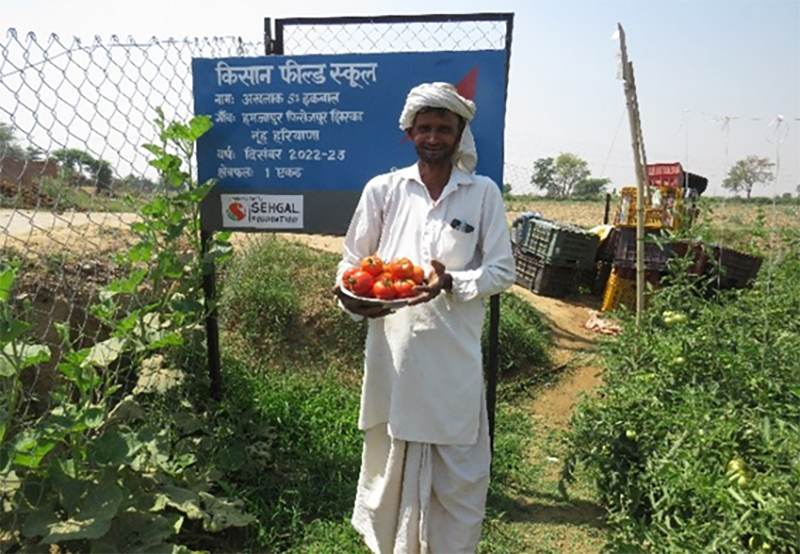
296, 138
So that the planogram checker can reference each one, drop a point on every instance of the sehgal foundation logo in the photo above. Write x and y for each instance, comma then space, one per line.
236, 211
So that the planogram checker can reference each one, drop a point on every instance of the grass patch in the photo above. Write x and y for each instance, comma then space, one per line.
302, 491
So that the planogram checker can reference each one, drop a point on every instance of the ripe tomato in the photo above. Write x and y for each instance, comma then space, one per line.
418, 276
405, 288
360, 282
401, 268
346, 277
383, 289
372, 265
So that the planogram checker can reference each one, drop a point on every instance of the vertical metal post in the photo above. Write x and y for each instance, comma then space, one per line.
212, 326
491, 374
268, 44
607, 209
494, 301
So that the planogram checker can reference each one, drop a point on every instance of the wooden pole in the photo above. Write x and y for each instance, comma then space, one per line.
641, 176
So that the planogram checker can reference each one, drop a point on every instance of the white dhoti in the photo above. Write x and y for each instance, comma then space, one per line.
422, 498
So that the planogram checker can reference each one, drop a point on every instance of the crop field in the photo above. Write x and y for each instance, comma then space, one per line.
603, 443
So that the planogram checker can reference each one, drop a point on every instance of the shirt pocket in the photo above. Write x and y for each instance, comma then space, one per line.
457, 247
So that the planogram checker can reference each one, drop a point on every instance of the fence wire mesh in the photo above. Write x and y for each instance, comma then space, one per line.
378, 36
74, 115
73, 118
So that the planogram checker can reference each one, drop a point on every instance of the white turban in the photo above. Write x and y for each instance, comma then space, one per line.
444, 95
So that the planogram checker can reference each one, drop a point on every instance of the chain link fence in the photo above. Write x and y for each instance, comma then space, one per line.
73, 118
73, 177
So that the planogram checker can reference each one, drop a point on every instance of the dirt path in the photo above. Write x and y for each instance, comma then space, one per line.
573, 346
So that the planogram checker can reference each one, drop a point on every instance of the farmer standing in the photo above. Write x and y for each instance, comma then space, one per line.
426, 454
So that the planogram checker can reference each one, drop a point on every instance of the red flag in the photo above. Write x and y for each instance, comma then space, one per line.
466, 87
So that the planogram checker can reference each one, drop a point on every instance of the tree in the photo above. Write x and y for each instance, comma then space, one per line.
748, 172
543, 170
593, 186
33, 153
8, 143
74, 162
507, 190
137, 184
560, 176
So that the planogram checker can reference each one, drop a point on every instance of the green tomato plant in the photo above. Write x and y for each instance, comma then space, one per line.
693, 438
97, 471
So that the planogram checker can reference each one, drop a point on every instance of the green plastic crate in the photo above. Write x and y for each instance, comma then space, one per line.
561, 244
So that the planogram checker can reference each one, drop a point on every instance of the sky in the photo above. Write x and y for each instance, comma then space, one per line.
716, 80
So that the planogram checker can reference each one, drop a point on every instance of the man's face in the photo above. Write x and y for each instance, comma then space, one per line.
436, 135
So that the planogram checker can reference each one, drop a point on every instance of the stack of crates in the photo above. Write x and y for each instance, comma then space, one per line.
549, 256
664, 211
661, 211
657, 250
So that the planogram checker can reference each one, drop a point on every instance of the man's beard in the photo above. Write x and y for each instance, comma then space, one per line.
437, 157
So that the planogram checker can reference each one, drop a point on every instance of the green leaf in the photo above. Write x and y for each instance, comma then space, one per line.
12, 330
735, 494
197, 194
92, 417
178, 131
156, 208
129, 285
38, 522
71, 489
84, 376
6, 282
140, 532
140, 253
10, 482
154, 377
199, 125
129, 322
127, 410
76, 529
183, 500
103, 353
164, 338
154, 149
112, 448
30, 447
27, 355
224, 513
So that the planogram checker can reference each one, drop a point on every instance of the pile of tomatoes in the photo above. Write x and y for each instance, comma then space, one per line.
374, 278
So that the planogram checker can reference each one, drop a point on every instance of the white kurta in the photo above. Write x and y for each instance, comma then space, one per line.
423, 368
